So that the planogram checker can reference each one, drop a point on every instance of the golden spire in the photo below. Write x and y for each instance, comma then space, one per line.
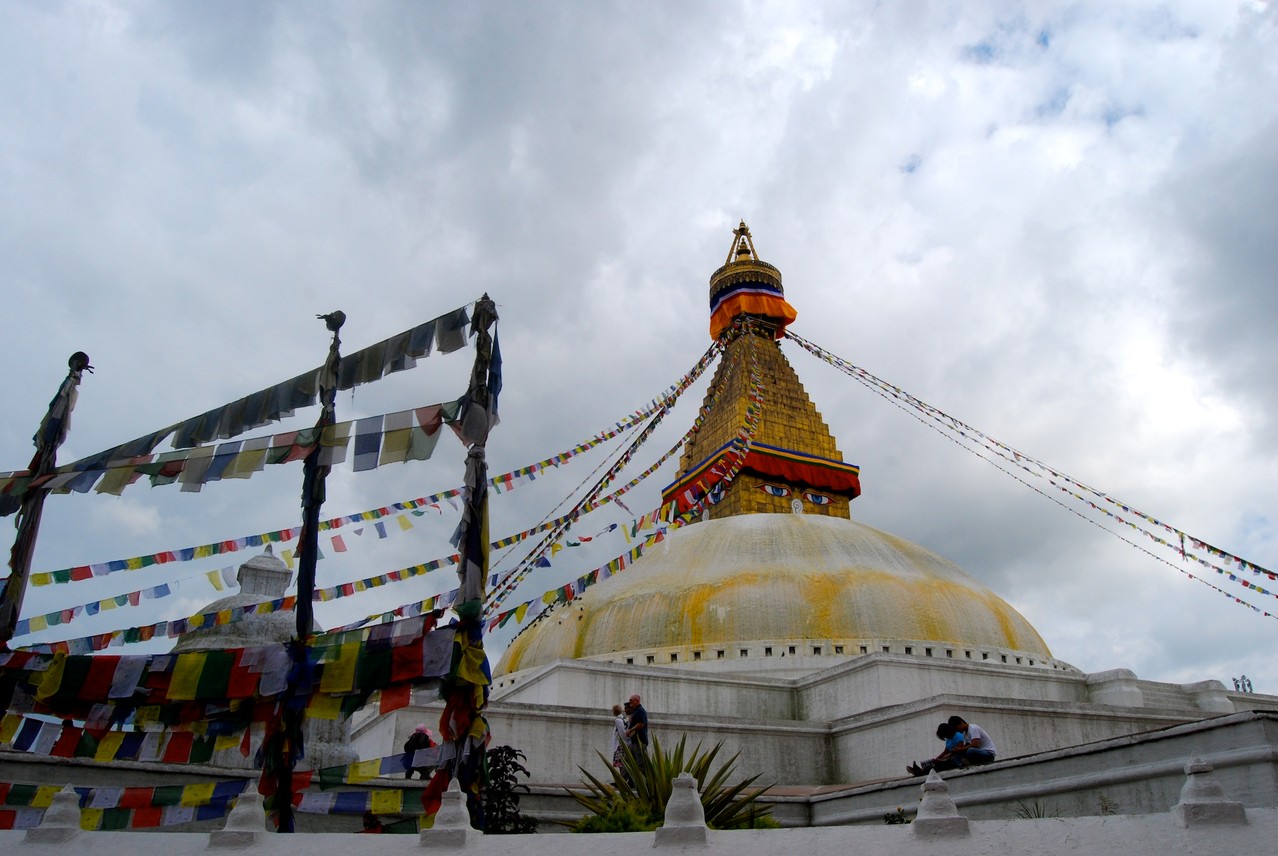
794, 465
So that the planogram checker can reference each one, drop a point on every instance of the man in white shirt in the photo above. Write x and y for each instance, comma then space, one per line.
979, 748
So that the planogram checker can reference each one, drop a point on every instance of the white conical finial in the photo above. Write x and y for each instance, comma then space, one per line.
245, 825
685, 821
61, 821
938, 816
1202, 799
452, 821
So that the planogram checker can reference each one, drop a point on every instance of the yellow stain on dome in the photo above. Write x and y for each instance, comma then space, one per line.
774, 577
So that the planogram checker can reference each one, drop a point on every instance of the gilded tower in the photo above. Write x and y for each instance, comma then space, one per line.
793, 465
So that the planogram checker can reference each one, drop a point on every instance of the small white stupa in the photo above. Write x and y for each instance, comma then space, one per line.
265, 578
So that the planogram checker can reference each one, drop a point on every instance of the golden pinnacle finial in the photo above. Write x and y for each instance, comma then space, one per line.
742, 245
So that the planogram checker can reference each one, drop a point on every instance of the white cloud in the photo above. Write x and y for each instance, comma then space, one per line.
1054, 222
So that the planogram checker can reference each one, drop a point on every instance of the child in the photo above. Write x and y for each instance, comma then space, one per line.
947, 760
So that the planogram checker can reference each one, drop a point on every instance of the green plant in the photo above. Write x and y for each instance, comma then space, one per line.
501, 793
1036, 809
892, 818
639, 791
1108, 805
618, 817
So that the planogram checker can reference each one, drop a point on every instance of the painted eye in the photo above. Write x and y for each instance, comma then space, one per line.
817, 498
774, 490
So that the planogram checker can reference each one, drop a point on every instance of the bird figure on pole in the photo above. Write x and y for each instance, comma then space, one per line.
333, 320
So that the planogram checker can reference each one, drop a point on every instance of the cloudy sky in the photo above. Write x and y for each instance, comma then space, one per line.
1053, 221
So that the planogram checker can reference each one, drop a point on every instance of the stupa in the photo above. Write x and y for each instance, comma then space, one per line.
261, 579
775, 565
820, 649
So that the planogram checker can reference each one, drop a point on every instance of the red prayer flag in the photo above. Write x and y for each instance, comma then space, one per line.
137, 798
406, 662
395, 696
145, 818
178, 751
97, 683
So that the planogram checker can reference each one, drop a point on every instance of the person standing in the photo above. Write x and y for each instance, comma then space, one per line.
620, 740
638, 730
978, 748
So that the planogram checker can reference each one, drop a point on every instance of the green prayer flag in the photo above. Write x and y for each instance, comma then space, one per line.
166, 795
215, 675
115, 819
202, 749
20, 795
374, 669
331, 777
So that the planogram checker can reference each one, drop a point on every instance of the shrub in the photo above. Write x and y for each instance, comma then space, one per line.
635, 800
501, 793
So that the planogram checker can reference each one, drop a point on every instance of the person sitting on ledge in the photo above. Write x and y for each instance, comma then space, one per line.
947, 760
978, 748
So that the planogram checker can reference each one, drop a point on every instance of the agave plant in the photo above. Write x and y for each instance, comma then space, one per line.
641, 788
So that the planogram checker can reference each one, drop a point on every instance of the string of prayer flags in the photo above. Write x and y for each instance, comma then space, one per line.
734, 460
512, 579
216, 689
224, 577
195, 467
1075, 489
401, 351
502, 483
134, 458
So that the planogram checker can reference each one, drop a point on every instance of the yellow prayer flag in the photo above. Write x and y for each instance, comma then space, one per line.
520, 612
43, 579
226, 741
471, 667
44, 796
133, 564
9, 727
405, 523
38, 622
186, 675
90, 819
395, 446
324, 706
339, 675
108, 746
387, 802
363, 771
287, 557
245, 464
200, 794
338, 434
215, 579
52, 680
555, 548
